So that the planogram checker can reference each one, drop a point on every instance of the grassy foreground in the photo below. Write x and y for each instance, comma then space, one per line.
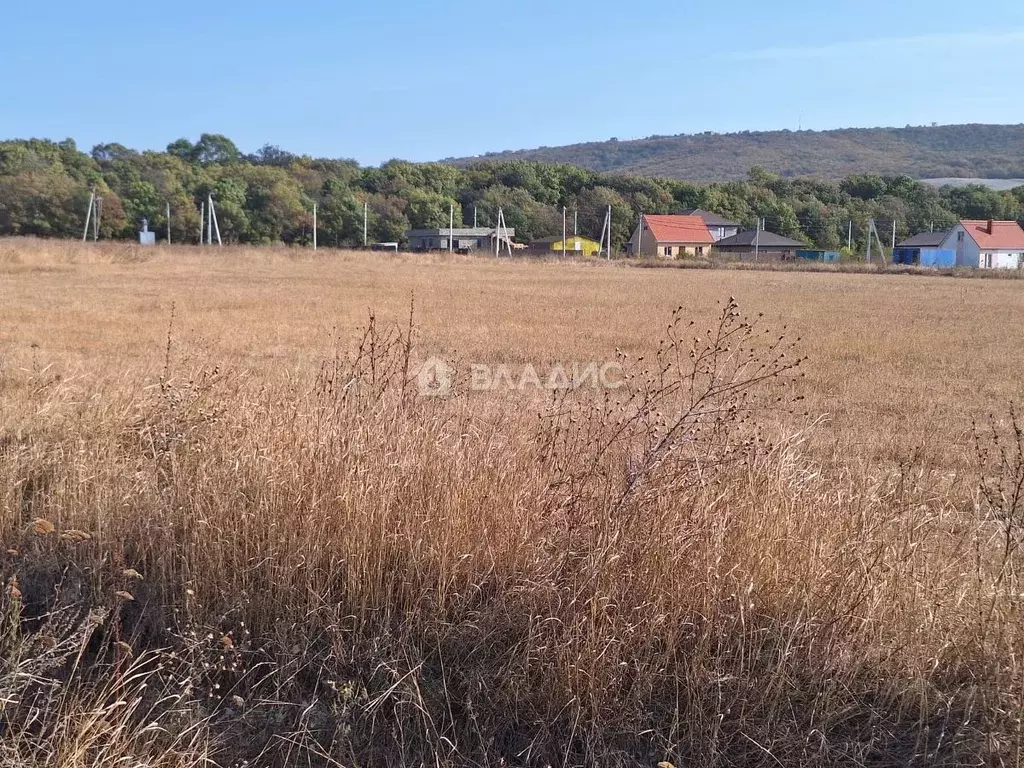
236, 531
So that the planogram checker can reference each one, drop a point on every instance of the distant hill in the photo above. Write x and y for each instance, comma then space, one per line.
959, 151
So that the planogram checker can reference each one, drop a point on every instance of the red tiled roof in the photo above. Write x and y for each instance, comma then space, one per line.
679, 229
996, 235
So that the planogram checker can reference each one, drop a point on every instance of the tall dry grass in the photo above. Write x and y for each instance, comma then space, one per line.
329, 569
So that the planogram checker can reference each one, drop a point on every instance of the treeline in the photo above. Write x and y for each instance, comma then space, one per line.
268, 197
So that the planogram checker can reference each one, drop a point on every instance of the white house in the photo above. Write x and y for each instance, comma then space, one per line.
987, 244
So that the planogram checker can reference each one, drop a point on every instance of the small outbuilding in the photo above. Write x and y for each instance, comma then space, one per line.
575, 245
145, 236
925, 250
761, 245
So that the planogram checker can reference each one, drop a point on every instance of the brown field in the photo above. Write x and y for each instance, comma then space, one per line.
305, 562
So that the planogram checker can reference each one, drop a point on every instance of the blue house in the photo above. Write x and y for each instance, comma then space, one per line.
925, 250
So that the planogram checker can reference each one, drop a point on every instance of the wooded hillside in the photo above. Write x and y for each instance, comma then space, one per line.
983, 151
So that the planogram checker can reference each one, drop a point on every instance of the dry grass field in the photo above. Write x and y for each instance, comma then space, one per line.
235, 530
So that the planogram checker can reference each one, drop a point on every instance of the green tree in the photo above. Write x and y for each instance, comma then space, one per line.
428, 210
388, 220
215, 149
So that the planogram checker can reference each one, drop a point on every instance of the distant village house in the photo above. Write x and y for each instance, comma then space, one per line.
762, 245
464, 239
925, 250
575, 245
987, 244
670, 237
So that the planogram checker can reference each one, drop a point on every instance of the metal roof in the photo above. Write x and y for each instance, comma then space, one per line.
764, 240
925, 240
711, 219
458, 232
679, 229
995, 235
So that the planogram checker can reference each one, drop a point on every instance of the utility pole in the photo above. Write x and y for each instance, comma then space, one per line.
500, 228
88, 215
451, 227
609, 233
214, 222
575, 223
209, 219
96, 219
894, 234
757, 240
563, 232
365, 224
314, 226
849, 237
474, 217
873, 232
168, 223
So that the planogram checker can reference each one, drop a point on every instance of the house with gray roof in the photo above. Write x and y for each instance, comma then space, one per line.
764, 245
925, 250
719, 226
925, 240
463, 239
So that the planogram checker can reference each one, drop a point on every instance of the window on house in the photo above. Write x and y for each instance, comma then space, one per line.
668, 250
988, 261
959, 237
700, 250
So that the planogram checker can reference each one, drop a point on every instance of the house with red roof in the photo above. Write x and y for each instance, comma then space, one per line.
670, 237
987, 244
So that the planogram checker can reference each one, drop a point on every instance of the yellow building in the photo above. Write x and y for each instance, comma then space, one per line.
575, 245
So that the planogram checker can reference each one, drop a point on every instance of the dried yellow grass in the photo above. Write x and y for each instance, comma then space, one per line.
460, 582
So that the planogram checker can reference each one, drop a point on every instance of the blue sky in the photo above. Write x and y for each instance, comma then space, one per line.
424, 81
